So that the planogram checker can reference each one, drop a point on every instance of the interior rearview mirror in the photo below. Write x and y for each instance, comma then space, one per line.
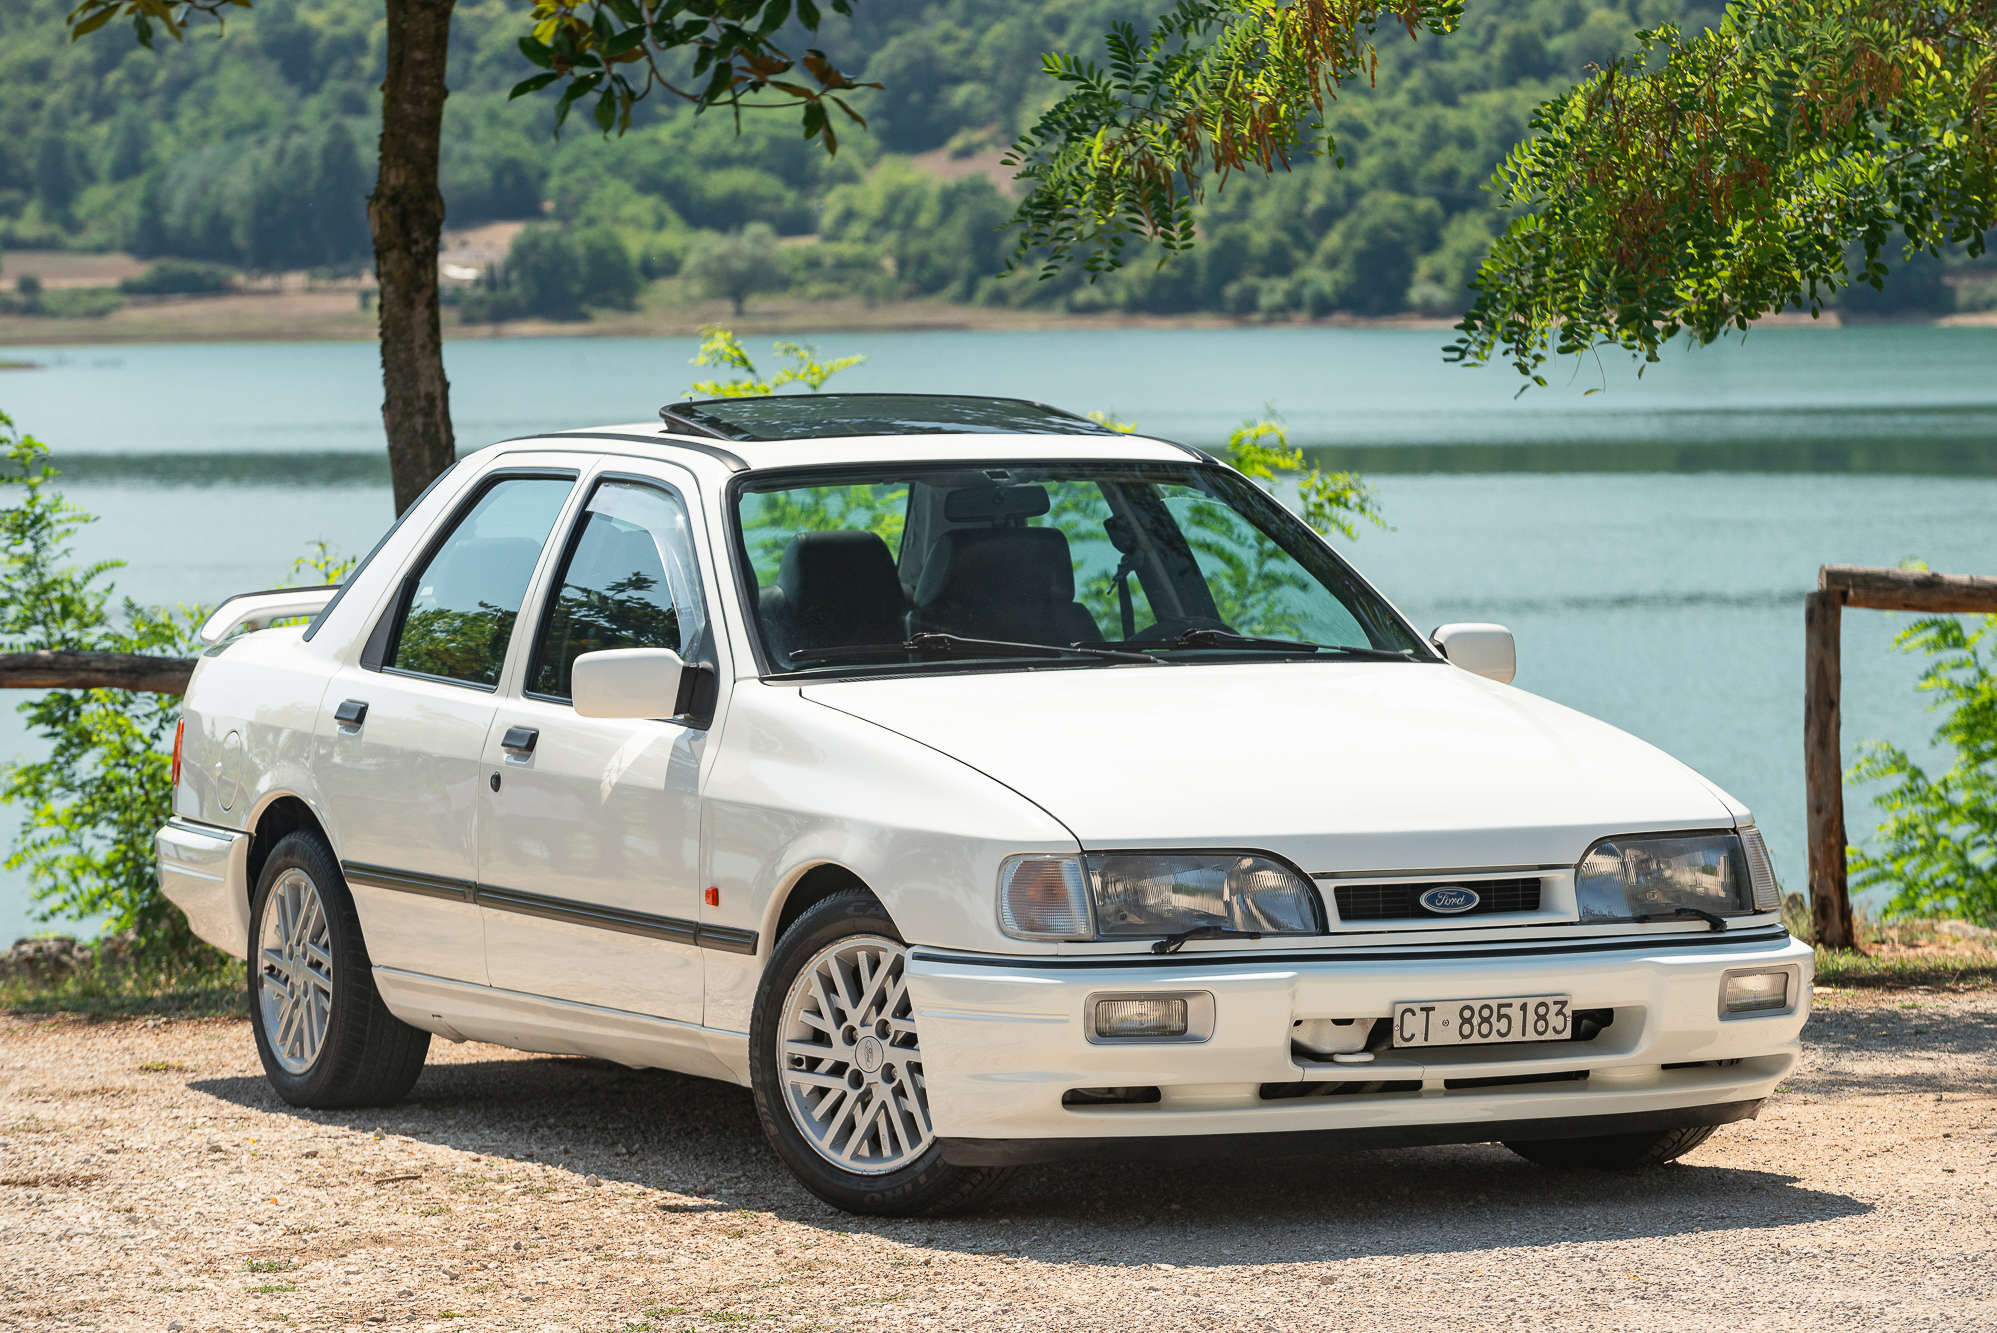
627, 682
1487, 650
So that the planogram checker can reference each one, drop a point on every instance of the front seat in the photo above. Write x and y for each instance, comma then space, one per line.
833, 589
1002, 583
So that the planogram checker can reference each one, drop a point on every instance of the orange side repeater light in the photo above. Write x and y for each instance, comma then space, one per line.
179, 732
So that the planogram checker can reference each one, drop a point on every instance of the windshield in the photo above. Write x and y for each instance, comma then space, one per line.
1175, 562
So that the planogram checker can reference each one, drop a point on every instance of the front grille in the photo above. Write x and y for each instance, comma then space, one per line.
1400, 902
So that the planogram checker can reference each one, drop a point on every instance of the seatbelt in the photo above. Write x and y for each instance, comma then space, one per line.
1123, 606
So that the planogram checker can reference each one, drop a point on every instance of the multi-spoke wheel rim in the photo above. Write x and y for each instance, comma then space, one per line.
851, 1063
295, 971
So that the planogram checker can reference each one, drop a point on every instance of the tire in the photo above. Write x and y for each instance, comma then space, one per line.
1615, 1151
337, 1046
888, 1164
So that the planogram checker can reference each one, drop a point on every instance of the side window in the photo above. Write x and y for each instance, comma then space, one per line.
629, 581
467, 597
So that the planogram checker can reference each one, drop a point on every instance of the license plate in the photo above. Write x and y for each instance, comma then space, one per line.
1483, 1022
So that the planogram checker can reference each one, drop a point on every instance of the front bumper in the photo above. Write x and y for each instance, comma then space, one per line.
1003, 1039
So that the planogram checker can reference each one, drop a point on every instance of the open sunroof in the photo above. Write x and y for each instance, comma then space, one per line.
821, 416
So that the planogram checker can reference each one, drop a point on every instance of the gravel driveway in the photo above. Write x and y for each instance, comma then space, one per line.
149, 1181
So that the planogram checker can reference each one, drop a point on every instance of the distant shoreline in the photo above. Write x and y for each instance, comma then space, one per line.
333, 315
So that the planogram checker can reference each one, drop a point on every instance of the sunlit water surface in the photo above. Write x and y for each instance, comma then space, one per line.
1648, 543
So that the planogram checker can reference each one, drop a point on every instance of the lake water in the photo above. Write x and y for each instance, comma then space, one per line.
1649, 542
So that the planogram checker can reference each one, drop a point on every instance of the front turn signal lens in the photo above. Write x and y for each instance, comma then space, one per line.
1755, 992
179, 735
1044, 898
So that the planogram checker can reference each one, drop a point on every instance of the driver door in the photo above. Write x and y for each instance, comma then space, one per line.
589, 828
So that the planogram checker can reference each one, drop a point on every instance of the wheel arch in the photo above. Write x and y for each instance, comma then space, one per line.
280, 814
809, 887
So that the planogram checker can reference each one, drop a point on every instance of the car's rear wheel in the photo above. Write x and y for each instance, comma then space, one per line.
836, 1067
325, 1037
1614, 1151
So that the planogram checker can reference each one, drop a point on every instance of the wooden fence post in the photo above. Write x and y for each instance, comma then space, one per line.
1823, 769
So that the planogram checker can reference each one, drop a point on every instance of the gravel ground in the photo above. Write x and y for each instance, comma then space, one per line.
149, 1181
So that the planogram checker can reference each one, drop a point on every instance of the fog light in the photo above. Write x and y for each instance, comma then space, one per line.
1753, 992
1141, 1018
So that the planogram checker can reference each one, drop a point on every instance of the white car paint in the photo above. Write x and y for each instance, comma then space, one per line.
921, 786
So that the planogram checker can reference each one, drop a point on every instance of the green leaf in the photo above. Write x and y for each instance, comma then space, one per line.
537, 53
533, 84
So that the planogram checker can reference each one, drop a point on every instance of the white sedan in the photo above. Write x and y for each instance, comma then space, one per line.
979, 787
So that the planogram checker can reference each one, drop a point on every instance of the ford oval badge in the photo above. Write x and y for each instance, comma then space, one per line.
1449, 899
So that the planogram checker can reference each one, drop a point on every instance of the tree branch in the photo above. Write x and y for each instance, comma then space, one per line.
47, 670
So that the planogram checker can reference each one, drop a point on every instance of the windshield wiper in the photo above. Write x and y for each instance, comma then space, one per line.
1204, 637
1713, 919
1173, 943
956, 645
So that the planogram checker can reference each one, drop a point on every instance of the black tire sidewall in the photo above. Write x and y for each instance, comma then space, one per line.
927, 1182
353, 980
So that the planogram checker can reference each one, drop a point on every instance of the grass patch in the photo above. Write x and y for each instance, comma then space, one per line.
1966, 972
210, 986
269, 1266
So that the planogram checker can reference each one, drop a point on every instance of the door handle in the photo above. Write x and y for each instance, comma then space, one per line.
520, 740
351, 714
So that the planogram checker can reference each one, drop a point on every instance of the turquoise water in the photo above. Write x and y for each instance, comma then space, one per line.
1649, 543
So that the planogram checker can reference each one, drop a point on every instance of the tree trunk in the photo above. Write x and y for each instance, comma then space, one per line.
48, 670
1823, 770
406, 214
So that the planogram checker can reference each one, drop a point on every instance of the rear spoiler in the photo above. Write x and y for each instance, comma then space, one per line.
256, 610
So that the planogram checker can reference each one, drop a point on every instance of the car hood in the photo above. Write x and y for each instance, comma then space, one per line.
1344, 766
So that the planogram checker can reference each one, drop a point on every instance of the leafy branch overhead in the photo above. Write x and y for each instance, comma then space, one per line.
1216, 87
172, 15
612, 51
1701, 183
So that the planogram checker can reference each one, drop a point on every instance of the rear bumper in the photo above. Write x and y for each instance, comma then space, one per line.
1004, 1039
203, 870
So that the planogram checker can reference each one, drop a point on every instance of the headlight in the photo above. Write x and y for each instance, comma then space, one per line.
1127, 894
1623, 879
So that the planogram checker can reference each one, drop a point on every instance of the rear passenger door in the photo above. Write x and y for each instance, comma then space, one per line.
589, 828
402, 730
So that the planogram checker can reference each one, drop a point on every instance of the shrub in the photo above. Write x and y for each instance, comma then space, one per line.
78, 302
1938, 846
178, 277
95, 802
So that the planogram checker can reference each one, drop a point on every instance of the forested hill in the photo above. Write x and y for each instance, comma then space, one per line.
255, 149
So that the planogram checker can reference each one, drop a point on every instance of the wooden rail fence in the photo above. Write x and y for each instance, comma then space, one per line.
1839, 586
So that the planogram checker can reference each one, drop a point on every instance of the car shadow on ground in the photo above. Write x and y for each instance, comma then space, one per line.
699, 1140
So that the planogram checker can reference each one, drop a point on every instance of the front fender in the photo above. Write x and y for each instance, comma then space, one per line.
796, 785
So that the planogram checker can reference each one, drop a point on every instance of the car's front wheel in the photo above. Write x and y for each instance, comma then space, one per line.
325, 1038
1614, 1151
836, 1067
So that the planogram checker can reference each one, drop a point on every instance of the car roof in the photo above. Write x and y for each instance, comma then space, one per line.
746, 455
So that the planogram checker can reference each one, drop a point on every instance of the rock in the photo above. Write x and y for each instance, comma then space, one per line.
592, 1182
310, 1152
404, 1294
174, 1327
518, 1246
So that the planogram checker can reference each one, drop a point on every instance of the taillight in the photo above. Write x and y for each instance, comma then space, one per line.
179, 731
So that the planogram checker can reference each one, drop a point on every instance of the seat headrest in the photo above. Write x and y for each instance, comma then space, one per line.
847, 574
998, 564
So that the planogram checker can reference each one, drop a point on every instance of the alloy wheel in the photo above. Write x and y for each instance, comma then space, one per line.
295, 971
851, 1061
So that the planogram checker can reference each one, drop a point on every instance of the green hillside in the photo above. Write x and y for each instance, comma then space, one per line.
255, 149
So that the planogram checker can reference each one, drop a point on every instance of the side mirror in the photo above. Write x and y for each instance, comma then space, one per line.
1487, 650
627, 682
